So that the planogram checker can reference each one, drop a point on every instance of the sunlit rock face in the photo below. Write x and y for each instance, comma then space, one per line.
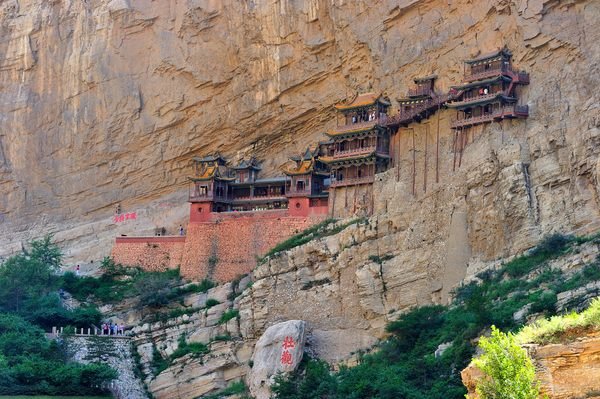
104, 102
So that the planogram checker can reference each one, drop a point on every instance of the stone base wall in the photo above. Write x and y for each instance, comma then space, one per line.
220, 249
351, 201
228, 247
152, 253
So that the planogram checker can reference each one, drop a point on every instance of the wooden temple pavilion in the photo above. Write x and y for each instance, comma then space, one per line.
359, 146
489, 91
421, 102
217, 187
308, 182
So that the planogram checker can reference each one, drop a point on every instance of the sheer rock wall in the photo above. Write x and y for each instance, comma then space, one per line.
104, 102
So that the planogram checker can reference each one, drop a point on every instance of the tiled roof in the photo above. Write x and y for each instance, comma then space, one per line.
305, 167
487, 56
363, 100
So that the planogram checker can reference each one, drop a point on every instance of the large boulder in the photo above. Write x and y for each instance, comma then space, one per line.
279, 350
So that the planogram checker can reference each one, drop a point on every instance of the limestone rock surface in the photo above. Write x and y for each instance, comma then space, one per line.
279, 350
566, 370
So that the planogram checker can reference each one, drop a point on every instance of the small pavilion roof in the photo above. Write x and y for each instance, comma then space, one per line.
478, 83
363, 100
247, 165
490, 56
209, 158
425, 78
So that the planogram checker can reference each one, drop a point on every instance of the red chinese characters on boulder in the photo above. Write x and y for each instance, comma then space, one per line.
286, 355
125, 216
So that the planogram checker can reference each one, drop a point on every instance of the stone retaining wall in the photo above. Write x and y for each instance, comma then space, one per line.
221, 249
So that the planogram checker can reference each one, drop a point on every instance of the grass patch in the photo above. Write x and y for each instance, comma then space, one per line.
196, 349
235, 388
320, 230
228, 315
561, 327
315, 283
210, 302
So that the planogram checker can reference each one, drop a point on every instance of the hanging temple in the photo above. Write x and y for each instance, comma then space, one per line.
234, 201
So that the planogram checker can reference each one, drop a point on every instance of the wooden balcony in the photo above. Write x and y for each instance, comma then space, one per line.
489, 73
418, 112
353, 181
420, 91
476, 99
298, 193
246, 198
360, 125
353, 152
509, 111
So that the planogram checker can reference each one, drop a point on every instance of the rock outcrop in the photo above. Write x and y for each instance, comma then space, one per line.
115, 352
279, 350
565, 370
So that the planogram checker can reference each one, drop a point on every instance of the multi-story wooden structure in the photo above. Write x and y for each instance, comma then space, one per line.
218, 188
359, 145
421, 102
308, 181
489, 92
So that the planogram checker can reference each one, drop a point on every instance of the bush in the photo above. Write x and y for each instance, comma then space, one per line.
228, 315
210, 302
509, 372
195, 348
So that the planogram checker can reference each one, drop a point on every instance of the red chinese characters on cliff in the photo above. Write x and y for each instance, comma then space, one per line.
124, 216
286, 355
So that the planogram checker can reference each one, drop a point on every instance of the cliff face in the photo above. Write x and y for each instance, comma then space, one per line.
103, 102
565, 370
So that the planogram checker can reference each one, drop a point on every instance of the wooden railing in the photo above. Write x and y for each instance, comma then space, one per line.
353, 181
353, 151
506, 111
296, 193
259, 197
409, 116
476, 98
419, 91
361, 125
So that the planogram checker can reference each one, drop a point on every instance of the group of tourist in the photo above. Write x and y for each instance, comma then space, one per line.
364, 116
112, 329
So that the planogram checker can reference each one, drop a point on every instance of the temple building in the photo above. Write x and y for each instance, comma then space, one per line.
359, 145
420, 103
216, 187
307, 184
489, 92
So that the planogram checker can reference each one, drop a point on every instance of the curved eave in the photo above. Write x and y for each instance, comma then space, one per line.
478, 83
334, 134
346, 107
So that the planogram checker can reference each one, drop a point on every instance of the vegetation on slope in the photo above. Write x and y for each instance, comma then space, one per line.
30, 303
405, 366
510, 372
326, 228
563, 327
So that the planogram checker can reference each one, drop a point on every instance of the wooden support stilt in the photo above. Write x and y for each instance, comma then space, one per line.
454, 149
437, 147
414, 170
425, 161
398, 137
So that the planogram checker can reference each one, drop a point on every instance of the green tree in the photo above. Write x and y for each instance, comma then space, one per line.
508, 370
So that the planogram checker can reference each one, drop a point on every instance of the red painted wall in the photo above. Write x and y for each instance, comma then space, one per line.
152, 253
221, 247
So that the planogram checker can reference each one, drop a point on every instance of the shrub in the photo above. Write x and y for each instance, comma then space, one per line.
210, 302
184, 348
509, 372
228, 315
